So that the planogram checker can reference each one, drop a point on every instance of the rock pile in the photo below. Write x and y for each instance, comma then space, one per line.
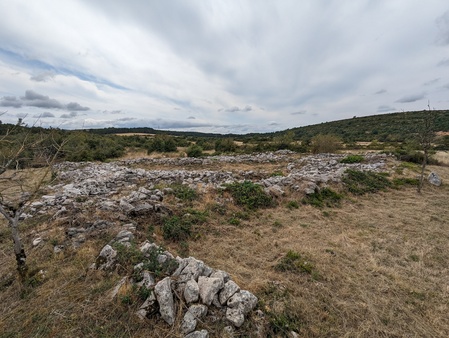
191, 285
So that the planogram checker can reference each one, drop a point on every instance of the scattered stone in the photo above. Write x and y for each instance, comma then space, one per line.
164, 297
198, 334
37, 241
58, 248
106, 258
434, 179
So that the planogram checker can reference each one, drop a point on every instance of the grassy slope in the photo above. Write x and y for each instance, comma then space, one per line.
380, 260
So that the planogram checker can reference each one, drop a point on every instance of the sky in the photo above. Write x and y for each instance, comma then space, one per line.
221, 66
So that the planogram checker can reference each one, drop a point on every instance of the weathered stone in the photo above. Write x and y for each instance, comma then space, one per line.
192, 270
37, 241
228, 331
246, 299
220, 274
189, 323
235, 316
147, 280
164, 297
209, 287
106, 258
124, 235
191, 291
142, 210
126, 206
198, 310
229, 289
434, 179
198, 334
275, 191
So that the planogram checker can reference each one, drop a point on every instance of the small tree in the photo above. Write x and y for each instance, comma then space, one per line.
425, 135
325, 144
18, 146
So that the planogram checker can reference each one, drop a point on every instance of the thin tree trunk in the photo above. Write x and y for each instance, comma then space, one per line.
19, 250
423, 168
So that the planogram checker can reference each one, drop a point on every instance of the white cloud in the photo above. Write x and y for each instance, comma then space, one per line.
218, 61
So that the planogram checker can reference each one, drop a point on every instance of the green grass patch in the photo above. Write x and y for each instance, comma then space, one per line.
353, 159
405, 181
324, 197
249, 195
362, 182
294, 262
292, 205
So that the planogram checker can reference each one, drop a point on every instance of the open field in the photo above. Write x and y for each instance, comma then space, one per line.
377, 266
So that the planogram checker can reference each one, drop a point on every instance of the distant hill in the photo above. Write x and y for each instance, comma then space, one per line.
385, 127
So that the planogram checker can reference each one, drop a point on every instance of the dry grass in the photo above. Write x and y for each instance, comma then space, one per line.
442, 157
380, 261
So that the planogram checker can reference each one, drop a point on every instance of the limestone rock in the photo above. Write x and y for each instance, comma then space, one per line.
106, 258
235, 316
198, 334
190, 268
189, 323
229, 289
164, 297
240, 304
191, 291
208, 288
434, 179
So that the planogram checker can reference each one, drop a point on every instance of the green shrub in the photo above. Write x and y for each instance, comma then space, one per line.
324, 197
362, 182
249, 195
194, 151
292, 205
176, 229
294, 262
128, 255
353, 159
184, 192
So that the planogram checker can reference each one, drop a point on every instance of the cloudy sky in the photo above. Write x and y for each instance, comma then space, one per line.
219, 65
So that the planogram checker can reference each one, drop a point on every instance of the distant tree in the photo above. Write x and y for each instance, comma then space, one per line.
225, 145
194, 151
325, 144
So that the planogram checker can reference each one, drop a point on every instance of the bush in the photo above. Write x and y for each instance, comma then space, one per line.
249, 195
225, 145
162, 144
325, 144
361, 182
323, 197
353, 159
184, 192
176, 229
194, 151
